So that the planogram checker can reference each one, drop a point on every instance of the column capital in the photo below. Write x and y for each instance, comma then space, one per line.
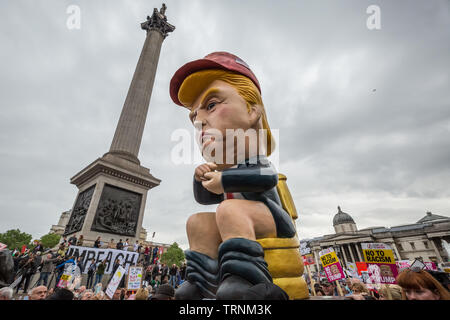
158, 22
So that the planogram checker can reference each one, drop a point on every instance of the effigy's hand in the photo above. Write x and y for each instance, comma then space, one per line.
214, 182
200, 172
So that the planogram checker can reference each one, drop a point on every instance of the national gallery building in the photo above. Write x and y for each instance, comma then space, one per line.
428, 239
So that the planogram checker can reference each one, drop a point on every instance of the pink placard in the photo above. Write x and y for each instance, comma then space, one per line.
334, 272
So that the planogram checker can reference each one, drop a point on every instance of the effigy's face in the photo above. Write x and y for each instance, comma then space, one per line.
218, 113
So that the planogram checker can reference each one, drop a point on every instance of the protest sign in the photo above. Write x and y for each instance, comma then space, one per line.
304, 249
352, 270
16, 282
115, 281
361, 266
430, 266
402, 264
381, 256
331, 265
134, 278
67, 277
308, 259
128, 258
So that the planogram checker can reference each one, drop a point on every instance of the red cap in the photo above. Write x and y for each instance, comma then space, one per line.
215, 60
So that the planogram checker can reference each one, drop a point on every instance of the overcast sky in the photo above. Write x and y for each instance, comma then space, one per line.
363, 115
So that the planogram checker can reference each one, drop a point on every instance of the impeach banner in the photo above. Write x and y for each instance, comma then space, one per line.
331, 265
381, 262
127, 258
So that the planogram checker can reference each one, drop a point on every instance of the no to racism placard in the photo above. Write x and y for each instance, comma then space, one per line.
331, 265
381, 262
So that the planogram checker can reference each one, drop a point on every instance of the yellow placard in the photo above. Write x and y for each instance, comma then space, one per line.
329, 258
379, 256
66, 277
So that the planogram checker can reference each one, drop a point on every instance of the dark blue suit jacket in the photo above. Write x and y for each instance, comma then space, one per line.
257, 182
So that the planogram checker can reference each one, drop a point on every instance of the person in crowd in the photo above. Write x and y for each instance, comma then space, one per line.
17, 259
148, 274
100, 272
58, 272
80, 264
80, 241
183, 272
173, 275
27, 270
111, 244
421, 285
116, 295
328, 288
164, 272
48, 265
87, 295
124, 295
155, 271
61, 294
97, 243
115, 267
119, 245
359, 288
61, 250
62, 266
64, 241
90, 273
164, 292
147, 254
73, 240
141, 294
39, 247
125, 245
319, 292
395, 290
79, 292
6, 293
136, 246
442, 277
38, 293
99, 296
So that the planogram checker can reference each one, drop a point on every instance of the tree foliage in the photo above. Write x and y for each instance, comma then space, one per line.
14, 238
50, 240
173, 255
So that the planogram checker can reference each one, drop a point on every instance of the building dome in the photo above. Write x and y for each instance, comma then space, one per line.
342, 217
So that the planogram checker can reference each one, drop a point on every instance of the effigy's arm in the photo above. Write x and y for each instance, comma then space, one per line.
205, 197
249, 179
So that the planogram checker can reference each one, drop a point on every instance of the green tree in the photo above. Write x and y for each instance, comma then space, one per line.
15, 238
50, 240
173, 255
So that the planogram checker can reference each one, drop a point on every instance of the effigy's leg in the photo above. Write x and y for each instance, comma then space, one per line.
202, 267
241, 258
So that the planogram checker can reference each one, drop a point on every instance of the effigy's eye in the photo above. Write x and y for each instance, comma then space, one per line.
210, 105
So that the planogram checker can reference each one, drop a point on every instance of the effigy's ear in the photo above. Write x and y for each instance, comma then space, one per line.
255, 113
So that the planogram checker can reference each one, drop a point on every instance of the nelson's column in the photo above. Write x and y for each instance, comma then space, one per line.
113, 189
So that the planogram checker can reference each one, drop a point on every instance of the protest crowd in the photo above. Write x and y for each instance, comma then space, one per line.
63, 273
40, 274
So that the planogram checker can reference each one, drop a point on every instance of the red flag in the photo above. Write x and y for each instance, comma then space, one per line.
24, 247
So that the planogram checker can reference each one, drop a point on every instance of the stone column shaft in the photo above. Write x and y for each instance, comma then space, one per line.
128, 136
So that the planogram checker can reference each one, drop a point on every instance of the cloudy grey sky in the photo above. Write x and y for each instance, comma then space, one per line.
363, 115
